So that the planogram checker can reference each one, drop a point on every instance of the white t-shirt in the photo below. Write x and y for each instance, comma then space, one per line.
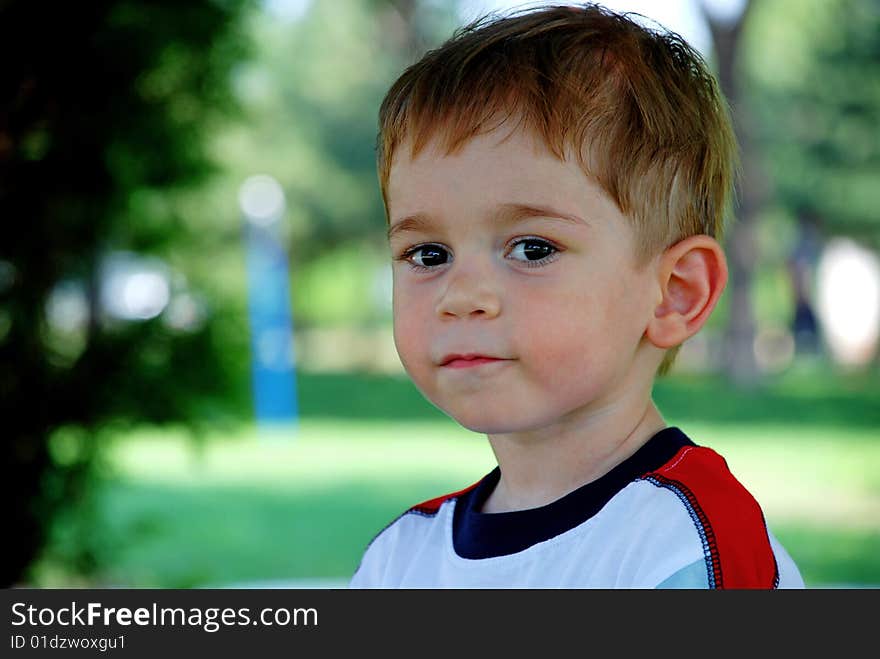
670, 516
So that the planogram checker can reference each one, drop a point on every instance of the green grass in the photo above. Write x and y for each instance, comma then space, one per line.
290, 505
244, 507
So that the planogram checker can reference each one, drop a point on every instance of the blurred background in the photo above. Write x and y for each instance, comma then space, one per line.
198, 383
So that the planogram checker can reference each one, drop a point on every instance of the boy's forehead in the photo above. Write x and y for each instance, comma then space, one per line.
493, 175
502, 161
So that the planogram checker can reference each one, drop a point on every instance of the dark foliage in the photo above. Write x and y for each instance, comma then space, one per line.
97, 101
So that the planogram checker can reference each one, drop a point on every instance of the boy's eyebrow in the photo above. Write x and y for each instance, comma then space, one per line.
507, 213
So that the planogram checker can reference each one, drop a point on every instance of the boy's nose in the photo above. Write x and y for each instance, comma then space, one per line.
469, 294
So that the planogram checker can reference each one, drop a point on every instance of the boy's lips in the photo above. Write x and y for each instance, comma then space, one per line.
468, 360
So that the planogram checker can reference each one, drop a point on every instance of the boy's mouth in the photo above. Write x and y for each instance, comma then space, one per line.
468, 360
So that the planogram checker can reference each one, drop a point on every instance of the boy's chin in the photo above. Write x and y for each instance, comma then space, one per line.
487, 424
485, 416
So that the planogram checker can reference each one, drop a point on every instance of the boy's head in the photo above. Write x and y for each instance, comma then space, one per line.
594, 159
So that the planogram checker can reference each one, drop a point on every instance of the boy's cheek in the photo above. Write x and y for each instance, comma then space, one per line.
409, 338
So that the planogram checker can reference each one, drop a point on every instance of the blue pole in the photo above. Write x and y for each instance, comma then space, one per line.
271, 324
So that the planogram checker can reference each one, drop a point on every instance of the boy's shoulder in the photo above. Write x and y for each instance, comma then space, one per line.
701, 478
725, 514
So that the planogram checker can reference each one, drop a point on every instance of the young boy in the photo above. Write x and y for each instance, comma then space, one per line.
555, 183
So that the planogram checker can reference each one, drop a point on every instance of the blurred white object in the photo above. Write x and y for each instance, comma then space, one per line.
848, 285
261, 198
134, 287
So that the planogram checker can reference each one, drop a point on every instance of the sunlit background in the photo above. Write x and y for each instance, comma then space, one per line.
197, 374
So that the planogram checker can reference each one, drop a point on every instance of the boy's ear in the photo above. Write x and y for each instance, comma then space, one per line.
692, 275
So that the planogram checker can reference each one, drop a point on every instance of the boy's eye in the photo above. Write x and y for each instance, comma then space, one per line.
427, 256
531, 249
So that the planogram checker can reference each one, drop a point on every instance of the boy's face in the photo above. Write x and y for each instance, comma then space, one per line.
522, 266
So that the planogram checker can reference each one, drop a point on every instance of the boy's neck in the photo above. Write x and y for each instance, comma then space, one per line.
537, 470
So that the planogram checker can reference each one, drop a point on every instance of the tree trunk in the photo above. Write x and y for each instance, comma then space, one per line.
739, 355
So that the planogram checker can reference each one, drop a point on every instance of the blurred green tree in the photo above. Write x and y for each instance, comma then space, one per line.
104, 109
813, 71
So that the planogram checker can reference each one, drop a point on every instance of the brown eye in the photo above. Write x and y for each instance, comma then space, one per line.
427, 256
532, 249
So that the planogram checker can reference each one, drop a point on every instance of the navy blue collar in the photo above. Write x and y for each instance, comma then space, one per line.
484, 535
